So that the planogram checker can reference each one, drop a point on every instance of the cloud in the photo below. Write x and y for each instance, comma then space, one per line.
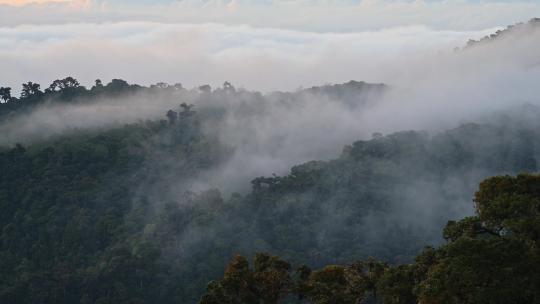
320, 16
26, 2
22, 5
257, 58
195, 42
432, 87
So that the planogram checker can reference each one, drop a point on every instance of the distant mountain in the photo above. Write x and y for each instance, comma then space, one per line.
519, 28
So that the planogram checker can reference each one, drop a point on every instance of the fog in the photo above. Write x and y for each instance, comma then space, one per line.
357, 130
304, 15
265, 133
264, 59
269, 132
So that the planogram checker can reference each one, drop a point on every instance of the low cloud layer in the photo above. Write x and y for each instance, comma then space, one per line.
256, 58
310, 15
195, 42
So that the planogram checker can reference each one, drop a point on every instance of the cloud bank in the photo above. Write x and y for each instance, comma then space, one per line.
296, 43
257, 58
317, 15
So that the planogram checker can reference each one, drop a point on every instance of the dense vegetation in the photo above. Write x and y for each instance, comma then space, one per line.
492, 257
74, 228
108, 215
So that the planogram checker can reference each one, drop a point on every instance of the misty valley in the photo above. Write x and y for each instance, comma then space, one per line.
125, 193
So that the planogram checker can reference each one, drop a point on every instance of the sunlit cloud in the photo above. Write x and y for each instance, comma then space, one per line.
26, 2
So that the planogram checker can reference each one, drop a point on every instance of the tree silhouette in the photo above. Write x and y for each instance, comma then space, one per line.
30, 89
5, 94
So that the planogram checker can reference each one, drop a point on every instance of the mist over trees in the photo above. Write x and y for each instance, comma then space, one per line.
519, 28
122, 193
492, 257
59, 91
94, 214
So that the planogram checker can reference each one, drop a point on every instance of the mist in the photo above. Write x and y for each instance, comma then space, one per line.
270, 132
145, 144
194, 54
266, 133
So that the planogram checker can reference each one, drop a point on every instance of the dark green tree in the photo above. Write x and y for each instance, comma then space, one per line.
30, 89
5, 94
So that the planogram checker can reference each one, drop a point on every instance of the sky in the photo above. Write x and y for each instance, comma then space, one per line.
264, 45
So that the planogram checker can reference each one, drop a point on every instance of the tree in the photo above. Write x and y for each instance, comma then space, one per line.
396, 285
511, 205
172, 116
481, 271
98, 86
272, 278
186, 108
268, 283
205, 88
161, 85
336, 284
117, 86
468, 227
30, 89
62, 84
236, 286
492, 257
5, 94
228, 87
301, 286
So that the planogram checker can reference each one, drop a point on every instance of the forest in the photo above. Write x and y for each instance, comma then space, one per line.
491, 257
93, 215
125, 193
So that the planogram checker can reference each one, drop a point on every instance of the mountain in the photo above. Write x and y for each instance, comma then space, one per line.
92, 216
509, 32
130, 194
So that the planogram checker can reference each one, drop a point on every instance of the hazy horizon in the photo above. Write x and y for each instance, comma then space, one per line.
296, 43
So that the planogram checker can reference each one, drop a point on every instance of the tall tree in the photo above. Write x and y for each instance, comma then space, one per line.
30, 89
5, 94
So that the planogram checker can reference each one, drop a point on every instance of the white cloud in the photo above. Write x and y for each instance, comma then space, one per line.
196, 41
295, 43
300, 15
27, 2
257, 58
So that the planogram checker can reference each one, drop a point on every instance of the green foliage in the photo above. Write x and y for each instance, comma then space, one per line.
396, 285
467, 227
106, 215
67, 90
267, 283
481, 271
469, 269
335, 284
511, 205
73, 227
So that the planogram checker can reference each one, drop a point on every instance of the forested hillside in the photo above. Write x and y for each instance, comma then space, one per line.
112, 214
122, 193
523, 28
75, 228
492, 257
